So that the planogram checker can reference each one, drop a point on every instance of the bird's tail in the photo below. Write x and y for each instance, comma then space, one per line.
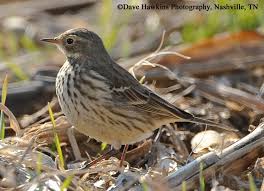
198, 120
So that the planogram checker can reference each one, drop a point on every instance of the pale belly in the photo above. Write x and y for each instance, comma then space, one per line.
113, 135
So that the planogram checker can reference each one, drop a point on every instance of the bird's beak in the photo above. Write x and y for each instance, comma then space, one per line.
51, 40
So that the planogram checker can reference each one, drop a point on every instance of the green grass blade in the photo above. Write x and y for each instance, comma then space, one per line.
39, 163
66, 183
2, 123
56, 137
252, 185
103, 146
201, 178
184, 186
144, 186
2, 120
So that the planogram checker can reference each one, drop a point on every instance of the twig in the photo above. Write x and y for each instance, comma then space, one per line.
231, 160
216, 89
146, 60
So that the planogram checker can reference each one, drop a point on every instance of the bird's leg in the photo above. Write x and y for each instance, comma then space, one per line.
74, 145
123, 156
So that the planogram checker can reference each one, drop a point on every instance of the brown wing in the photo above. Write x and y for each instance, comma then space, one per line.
127, 92
147, 101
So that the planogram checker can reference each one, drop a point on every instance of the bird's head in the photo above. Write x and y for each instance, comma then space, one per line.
78, 42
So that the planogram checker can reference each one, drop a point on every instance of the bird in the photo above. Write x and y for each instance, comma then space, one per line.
103, 100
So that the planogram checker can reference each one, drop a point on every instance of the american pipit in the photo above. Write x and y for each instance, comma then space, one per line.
104, 101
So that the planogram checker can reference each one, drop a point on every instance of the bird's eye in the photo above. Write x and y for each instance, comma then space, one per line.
69, 40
